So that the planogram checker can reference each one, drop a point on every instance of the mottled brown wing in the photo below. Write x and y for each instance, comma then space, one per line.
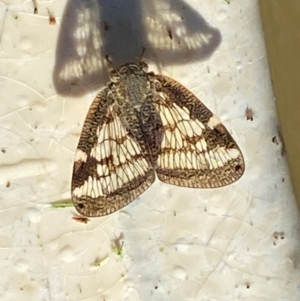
110, 169
196, 149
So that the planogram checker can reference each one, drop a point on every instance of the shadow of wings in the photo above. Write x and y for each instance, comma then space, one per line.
172, 32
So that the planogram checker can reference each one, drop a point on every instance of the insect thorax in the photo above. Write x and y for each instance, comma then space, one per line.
132, 87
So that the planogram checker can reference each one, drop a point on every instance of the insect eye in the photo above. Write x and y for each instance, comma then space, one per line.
114, 76
158, 86
144, 66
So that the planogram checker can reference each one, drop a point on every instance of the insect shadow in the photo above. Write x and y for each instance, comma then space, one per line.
171, 31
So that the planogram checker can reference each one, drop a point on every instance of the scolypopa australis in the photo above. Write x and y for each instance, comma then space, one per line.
142, 124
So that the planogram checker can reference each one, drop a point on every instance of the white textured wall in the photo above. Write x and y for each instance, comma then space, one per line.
240, 242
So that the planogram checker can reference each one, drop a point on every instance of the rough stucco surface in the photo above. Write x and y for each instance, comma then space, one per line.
239, 242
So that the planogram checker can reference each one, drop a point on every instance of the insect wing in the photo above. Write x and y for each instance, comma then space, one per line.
196, 149
110, 169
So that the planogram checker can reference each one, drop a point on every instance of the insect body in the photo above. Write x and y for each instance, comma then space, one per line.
144, 124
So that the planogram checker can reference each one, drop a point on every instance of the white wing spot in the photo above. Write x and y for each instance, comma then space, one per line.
233, 153
213, 122
77, 192
80, 156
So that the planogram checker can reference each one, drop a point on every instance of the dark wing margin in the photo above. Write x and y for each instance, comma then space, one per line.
110, 169
196, 150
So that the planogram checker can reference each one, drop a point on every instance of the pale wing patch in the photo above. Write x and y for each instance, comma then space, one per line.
178, 127
80, 155
119, 161
220, 156
213, 122
112, 173
183, 144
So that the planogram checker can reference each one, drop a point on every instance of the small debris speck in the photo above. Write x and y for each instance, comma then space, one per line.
81, 219
52, 20
169, 30
249, 114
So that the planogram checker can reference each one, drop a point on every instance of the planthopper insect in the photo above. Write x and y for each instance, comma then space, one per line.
143, 125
